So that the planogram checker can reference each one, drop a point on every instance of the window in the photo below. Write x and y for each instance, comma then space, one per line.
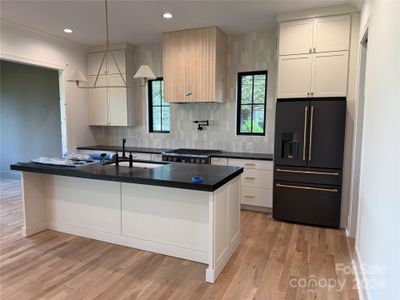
158, 109
252, 93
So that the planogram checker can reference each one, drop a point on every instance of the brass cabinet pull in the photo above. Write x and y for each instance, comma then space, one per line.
249, 196
311, 133
315, 49
305, 131
309, 188
250, 178
308, 172
250, 164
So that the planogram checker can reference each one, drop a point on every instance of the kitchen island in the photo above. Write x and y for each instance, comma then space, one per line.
155, 208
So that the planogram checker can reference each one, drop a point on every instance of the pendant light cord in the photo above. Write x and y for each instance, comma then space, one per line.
107, 38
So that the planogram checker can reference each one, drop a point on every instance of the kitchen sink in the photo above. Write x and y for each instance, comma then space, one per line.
139, 165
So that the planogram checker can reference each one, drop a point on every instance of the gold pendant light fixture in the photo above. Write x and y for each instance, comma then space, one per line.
77, 77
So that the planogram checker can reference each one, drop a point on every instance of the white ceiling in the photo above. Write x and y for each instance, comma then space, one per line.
140, 22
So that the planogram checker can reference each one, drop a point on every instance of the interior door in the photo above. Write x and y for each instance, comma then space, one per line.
291, 127
326, 133
294, 76
98, 103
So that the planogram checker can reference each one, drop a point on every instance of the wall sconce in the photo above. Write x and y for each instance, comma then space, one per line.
145, 73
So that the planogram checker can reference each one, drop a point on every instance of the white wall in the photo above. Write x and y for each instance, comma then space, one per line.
29, 46
378, 236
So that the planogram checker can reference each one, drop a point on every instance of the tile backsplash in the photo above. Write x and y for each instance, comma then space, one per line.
245, 52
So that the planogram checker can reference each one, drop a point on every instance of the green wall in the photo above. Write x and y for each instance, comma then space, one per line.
30, 113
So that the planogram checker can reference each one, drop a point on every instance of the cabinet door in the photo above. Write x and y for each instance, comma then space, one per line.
98, 103
174, 61
326, 135
296, 37
332, 33
294, 76
119, 56
200, 64
329, 77
94, 60
291, 127
117, 102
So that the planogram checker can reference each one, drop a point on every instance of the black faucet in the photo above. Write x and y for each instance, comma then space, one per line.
123, 147
130, 160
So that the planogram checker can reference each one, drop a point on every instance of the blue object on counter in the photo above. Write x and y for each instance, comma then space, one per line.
96, 155
197, 179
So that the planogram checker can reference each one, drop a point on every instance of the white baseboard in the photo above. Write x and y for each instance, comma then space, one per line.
212, 274
360, 278
147, 245
33, 229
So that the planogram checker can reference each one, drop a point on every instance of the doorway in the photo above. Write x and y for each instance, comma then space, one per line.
31, 114
359, 120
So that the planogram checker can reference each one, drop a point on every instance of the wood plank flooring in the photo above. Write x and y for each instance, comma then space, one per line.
275, 260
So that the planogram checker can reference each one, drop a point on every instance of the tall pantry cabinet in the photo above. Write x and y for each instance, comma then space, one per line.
111, 106
313, 57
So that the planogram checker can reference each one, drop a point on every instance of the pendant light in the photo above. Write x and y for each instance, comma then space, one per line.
77, 77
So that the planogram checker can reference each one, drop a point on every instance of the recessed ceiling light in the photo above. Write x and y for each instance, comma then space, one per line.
167, 15
67, 30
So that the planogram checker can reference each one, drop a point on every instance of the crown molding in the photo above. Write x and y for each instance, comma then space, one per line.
13, 26
318, 12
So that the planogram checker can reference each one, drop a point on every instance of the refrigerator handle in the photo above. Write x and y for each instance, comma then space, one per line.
305, 131
311, 133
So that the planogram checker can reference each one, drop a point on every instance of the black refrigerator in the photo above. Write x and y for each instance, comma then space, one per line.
308, 160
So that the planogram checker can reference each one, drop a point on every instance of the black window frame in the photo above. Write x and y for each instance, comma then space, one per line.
239, 101
150, 106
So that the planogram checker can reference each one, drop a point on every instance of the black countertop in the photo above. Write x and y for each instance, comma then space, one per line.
176, 175
127, 149
244, 155
227, 154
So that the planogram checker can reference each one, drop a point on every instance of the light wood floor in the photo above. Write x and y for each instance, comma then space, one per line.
275, 260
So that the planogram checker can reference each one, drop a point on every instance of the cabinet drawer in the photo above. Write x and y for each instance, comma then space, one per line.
256, 197
305, 175
251, 164
156, 157
220, 161
257, 178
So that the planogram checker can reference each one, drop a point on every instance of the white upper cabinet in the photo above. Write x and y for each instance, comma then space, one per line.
313, 57
111, 106
98, 102
294, 76
117, 102
314, 35
296, 37
329, 74
109, 66
119, 56
332, 34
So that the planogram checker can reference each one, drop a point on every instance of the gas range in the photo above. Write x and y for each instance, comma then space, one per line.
194, 156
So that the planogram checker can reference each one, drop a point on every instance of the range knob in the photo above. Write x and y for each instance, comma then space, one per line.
174, 159
192, 160
203, 161
197, 161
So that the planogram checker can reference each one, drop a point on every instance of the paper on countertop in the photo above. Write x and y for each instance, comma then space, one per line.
57, 161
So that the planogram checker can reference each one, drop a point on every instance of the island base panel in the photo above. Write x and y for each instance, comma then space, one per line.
195, 225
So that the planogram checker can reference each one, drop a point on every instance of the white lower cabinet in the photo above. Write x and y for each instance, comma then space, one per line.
219, 161
256, 196
256, 180
156, 157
